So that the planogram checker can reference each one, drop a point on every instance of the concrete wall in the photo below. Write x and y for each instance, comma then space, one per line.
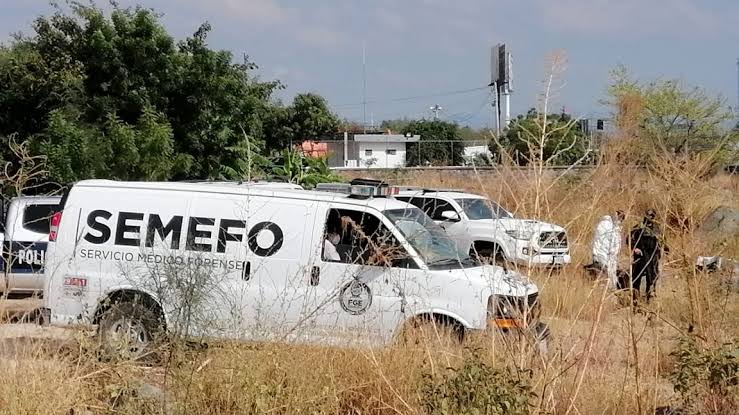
379, 154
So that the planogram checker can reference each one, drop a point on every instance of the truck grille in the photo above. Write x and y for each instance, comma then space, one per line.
553, 240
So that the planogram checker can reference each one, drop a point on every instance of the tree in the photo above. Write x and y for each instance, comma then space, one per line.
117, 97
671, 117
294, 167
311, 118
440, 143
307, 118
395, 126
553, 140
481, 135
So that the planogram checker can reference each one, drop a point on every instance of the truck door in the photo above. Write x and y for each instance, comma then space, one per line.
357, 296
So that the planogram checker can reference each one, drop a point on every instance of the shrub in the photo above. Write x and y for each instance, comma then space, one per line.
476, 388
706, 378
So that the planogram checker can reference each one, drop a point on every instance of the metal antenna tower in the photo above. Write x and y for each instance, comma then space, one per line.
436, 109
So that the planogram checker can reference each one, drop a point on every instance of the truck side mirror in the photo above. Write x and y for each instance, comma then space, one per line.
450, 216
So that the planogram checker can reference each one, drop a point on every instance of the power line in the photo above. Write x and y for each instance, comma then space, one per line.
410, 98
470, 115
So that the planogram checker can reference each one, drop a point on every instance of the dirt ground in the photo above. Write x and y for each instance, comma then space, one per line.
19, 331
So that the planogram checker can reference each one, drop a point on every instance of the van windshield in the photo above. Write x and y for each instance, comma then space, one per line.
429, 239
479, 209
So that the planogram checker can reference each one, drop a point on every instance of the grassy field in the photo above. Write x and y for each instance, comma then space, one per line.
605, 357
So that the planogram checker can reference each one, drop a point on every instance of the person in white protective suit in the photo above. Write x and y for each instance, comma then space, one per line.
607, 245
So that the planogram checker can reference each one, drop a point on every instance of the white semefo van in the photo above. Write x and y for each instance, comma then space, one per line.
252, 263
482, 227
24, 235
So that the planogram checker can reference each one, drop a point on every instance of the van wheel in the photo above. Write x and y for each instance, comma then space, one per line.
130, 331
432, 333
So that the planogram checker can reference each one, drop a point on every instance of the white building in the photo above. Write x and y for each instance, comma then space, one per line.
382, 150
470, 152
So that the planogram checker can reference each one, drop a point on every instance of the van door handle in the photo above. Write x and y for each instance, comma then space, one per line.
246, 272
315, 276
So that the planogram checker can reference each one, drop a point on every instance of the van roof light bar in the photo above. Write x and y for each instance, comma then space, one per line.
368, 182
361, 191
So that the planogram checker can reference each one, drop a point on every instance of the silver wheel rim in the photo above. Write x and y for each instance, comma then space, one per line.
128, 336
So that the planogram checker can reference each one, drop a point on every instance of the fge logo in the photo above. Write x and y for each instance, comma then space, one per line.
201, 234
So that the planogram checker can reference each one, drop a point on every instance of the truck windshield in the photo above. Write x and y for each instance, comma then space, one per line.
478, 209
429, 239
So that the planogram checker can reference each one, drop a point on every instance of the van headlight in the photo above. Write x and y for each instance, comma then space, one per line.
507, 312
521, 234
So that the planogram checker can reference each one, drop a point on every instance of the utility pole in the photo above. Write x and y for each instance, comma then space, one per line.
496, 108
507, 97
364, 88
436, 109
736, 109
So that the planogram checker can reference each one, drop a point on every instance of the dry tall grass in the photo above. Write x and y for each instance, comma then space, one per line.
605, 358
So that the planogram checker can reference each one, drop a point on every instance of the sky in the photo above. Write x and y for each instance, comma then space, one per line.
420, 53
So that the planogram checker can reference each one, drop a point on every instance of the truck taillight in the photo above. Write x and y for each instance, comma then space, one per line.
54, 228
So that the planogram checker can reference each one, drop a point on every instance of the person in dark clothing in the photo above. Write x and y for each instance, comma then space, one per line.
645, 241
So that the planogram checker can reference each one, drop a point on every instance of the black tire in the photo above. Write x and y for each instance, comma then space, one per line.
129, 330
430, 332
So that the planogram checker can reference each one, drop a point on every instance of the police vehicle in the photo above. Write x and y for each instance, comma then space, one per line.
485, 229
24, 235
251, 263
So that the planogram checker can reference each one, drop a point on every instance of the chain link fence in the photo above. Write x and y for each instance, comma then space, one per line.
354, 154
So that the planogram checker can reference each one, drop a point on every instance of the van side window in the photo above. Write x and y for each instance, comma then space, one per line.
415, 201
363, 240
37, 218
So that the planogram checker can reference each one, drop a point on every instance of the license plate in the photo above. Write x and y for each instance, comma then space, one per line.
558, 260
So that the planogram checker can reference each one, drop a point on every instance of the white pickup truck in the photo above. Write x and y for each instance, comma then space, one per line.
24, 233
483, 228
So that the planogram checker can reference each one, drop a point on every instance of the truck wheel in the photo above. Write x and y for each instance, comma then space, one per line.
491, 255
130, 331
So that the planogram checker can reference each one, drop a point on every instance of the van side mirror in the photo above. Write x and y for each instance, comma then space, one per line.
450, 216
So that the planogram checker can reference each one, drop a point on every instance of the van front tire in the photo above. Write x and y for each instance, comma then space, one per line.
432, 332
130, 331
